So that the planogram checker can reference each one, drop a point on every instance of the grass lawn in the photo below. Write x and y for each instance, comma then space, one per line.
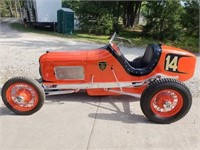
77, 35
137, 38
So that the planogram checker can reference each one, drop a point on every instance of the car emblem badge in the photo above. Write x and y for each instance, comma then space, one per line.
102, 65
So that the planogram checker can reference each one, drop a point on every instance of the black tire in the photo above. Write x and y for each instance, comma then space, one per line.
38, 90
148, 100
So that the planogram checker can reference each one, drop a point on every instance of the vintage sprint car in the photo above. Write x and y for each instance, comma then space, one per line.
156, 78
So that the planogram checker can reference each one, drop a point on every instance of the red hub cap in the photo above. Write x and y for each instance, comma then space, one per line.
166, 103
22, 96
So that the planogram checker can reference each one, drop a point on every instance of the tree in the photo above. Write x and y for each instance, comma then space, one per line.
190, 17
10, 8
131, 12
73, 4
97, 16
163, 19
3, 8
102, 17
15, 7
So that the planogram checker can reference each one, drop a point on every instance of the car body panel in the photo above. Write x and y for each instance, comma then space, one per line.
100, 66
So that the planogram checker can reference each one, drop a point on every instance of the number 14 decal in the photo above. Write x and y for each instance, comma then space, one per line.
171, 63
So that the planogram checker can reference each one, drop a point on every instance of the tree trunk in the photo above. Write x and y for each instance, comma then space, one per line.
124, 13
131, 21
15, 4
10, 8
131, 13
116, 14
136, 13
20, 11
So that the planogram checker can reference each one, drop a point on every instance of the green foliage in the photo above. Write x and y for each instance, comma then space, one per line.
131, 13
174, 22
96, 17
190, 18
163, 19
73, 4
78, 35
10, 8
189, 43
3, 9
102, 17
103, 25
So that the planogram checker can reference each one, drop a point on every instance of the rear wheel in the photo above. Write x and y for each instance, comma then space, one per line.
166, 101
22, 95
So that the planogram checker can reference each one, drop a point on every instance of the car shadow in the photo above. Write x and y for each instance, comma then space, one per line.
108, 104
115, 113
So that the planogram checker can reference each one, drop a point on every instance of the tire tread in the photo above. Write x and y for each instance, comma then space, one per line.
155, 86
27, 80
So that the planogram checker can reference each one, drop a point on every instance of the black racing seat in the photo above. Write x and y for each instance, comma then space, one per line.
142, 65
145, 60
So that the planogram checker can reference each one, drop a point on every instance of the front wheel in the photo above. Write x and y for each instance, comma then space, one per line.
166, 101
22, 95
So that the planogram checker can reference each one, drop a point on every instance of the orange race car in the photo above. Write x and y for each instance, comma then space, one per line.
156, 78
